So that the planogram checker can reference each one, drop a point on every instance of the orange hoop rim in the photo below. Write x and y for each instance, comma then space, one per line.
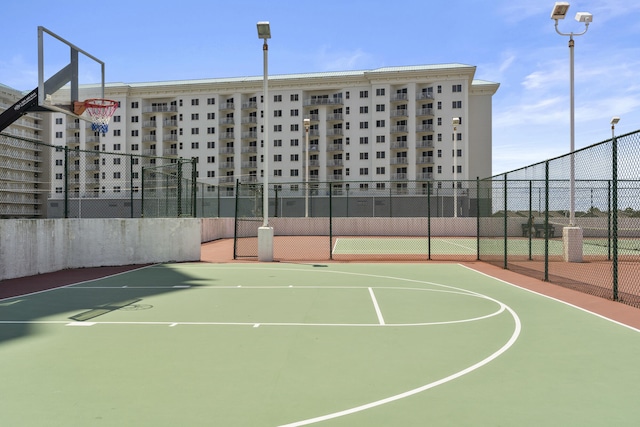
100, 103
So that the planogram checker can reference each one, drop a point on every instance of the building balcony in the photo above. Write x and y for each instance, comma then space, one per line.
334, 147
170, 152
424, 112
396, 145
400, 112
399, 129
249, 120
335, 132
312, 147
226, 150
160, 109
397, 97
332, 163
424, 95
323, 101
168, 123
149, 152
335, 177
227, 106
73, 125
314, 132
227, 121
248, 179
425, 143
426, 176
149, 124
226, 165
312, 117
227, 135
226, 179
149, 138
249, 135
424, 160
250, 165
424, 128
249, 149
172, 137
399, 161
333, 117
73, 140
399, 177
250, 105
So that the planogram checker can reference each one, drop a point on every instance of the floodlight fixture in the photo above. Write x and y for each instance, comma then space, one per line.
456, 121
615, 120
585, 17
264, 30
560, 10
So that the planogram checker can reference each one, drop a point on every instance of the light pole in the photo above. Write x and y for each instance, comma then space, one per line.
265, 233
559, 12
456, 123
307, 124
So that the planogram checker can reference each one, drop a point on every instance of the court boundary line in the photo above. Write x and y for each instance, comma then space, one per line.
376, 306
554, 299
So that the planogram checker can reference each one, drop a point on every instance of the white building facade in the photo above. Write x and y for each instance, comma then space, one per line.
386, 126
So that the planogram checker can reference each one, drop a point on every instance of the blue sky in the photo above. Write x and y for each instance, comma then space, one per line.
512, 42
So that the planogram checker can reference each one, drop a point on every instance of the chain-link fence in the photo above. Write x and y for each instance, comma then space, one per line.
601, 183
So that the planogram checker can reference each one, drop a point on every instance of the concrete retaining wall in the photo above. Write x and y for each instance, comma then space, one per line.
35, 246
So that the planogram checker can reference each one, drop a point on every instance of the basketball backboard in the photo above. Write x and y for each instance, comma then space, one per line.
66, 74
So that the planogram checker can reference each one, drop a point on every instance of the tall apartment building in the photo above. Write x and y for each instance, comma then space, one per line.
389, 125
24, 166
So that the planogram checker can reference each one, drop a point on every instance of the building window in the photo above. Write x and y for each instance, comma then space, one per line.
116, 147
277, 98
58, 134
439, 169
195, 145
211, 159
364, 109
277, 128
277, 143
134, 119
211, 144
134, 132
364, 125
195, 116
211, 174
211, 116
211, 131
294, 97
364, 171
380, 154
116, 132
380, 138
211, 101
364, 156
439, 89
116, 161
439, 153
59, 121
116, 175
380, 123
294, 172
277, 113
380, 92
456, 88
277, 157
134, 104
294, 113
380, 107
364, 94
294, 142
195, 131
456, 104
115, 119
277, 172
195, 102
364, 140
294, 157
380, 170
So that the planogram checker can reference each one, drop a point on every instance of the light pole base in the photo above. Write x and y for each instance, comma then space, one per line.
572, 243
265, 244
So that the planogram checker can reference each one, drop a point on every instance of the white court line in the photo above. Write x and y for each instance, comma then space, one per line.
376, 306
457, 244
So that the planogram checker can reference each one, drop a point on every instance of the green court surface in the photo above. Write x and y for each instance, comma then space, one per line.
277, 344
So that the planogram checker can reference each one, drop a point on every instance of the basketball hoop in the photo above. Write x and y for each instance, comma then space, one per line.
100, 111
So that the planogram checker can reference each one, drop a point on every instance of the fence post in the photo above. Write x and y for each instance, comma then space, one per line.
615, 217
66, 182
194, 176
330, 221
235, 222
530, 218
477, 218
142, 194
546, 220
505, 266
179, 188
429, 220
130, 156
